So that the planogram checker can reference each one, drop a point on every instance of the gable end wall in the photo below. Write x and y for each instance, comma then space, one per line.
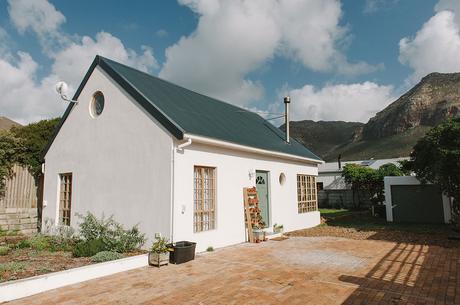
120, 161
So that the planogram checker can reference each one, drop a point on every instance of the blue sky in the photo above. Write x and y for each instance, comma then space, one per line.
339, 60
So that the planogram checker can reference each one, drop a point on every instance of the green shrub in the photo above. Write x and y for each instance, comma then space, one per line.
88, 248
210, 249
4, 250
105, 256
12, 266
40, 242
25, 243
112, 233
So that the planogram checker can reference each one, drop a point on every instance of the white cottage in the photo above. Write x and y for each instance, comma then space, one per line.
173, 161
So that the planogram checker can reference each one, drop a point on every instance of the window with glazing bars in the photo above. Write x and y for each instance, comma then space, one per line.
204, 201
306, 194
65, 198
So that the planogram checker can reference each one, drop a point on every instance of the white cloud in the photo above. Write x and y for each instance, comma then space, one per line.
72, 62
40, 17
372, 6
37, 15
449, 5
351, 102
24, 100
436, 46
161, 33
235, 38
24, 97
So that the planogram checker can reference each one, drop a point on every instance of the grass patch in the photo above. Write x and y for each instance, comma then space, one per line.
12, 266
335, 213
8, 233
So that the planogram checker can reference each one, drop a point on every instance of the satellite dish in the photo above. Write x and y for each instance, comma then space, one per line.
62, 90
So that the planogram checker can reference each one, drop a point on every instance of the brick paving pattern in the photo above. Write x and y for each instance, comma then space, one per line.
302, 270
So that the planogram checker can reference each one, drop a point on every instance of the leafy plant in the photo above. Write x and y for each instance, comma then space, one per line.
113, 235
210, 249
161, 245
88, 248
39, 242
23, 244
61, 237
11, 150
4, 250
24, 145
33, 139
12, 266
277, 228
368, 181
436, 159
105, 256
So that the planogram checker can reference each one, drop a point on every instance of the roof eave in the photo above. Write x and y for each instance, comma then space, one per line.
225, 144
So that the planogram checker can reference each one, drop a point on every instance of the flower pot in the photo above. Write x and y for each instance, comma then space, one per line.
158, 259
259, 234
183, 252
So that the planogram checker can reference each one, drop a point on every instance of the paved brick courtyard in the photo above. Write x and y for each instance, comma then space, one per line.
303, 270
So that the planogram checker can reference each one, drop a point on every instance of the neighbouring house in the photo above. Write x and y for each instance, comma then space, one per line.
333, 191
173, 161
409, 200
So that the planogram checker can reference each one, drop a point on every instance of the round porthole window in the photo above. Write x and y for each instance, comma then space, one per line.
97, 104
282, 178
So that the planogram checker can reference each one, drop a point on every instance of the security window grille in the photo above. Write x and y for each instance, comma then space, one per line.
65, 198
204, 201
306, 194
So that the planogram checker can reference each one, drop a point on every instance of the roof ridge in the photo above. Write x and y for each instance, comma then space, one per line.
176, 85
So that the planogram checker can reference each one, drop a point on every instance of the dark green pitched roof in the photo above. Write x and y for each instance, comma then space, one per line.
182, 111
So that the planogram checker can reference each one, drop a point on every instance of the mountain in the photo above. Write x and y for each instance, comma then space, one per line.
323, 137
393, 131
6, 123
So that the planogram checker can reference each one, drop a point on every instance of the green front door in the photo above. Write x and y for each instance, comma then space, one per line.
262, 192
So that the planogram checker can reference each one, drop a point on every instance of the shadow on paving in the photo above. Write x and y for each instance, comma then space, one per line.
409, 274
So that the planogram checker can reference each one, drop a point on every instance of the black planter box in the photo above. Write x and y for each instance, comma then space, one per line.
184, 251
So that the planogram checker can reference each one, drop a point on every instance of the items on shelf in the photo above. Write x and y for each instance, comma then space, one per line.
253, 217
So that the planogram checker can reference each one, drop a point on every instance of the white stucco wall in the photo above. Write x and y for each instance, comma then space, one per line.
120, 161
232, 168
332, 181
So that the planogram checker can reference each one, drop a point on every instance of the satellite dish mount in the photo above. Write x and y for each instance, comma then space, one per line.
62, 90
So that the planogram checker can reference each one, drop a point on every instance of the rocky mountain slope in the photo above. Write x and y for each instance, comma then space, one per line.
6, 123
323, 137
393, 131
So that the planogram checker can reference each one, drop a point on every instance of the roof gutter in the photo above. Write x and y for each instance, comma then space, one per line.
229, 145
181, 147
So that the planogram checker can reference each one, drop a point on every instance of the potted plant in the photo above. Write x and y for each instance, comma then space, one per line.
159, 253
258, 232
258, 229
277, 228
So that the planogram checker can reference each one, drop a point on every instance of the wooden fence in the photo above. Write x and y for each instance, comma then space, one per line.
20, 190
18, 206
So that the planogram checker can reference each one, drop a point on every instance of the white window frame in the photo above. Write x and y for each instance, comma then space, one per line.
307, 198
204, 199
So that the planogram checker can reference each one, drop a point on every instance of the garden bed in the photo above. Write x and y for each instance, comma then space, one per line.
24, 263
61, 248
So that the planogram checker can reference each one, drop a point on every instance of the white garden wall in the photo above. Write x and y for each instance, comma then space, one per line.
233, 168
120, 161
